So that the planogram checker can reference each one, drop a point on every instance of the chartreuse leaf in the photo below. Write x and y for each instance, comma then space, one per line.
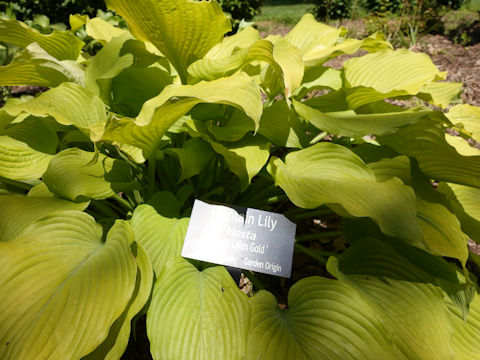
327, 173
161, 112
102, 31
76, 21
468, 116
425, 141
281, 125
34, 66
465, 331
320, 54
68, 104
441, 231
193, 156
62, 45
62, 287
325, 319
461, 145
245, 158
388, 168
284, 58
440, 93
464, 202
387, 74
232, 53
111, 72
115, 344
309, 34
18, 161
107, 64
319, 77
26, 148
231, 128
75, 174
17, 212
182, 30
161, 237
408, 288
349, 123
197, 314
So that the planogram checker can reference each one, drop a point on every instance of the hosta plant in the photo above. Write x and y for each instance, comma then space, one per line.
99, 173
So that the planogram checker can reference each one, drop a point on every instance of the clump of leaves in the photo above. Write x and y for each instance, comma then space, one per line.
99, 173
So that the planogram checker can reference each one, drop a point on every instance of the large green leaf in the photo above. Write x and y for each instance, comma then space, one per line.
440, 93
101, 30
161, 112
349, 123
425, 141
193, 156
308, 34
441, 231
62, 287
245, 158
281, 125
284, 59
17, 212
197, 314
407, 287
62, 45
77, 175
468, 116
107, 75
182, 30
18, 161
116, 342
161, 237
325, 319
327, 173
68, 104
320, 54
387, 74
34, 66
464, 202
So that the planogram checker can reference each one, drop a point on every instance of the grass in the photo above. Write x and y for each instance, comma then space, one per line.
284, 14
474, 5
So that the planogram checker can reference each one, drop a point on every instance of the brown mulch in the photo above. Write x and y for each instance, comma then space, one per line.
461, 63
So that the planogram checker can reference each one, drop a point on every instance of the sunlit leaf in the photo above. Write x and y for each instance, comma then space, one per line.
161, 112
441, 231
33, 66
386, 74
62, 45
425, 141
75, 174
325, 319
17, 212
161, 237
68, 104
116, 342
468, 116
327, 173
182, 30
205, 314
62, 286
349, 123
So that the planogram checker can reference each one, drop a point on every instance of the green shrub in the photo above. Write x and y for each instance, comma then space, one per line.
98, 175
332, 9
57, 11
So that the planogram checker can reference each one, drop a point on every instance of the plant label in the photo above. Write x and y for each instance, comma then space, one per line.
240, 237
